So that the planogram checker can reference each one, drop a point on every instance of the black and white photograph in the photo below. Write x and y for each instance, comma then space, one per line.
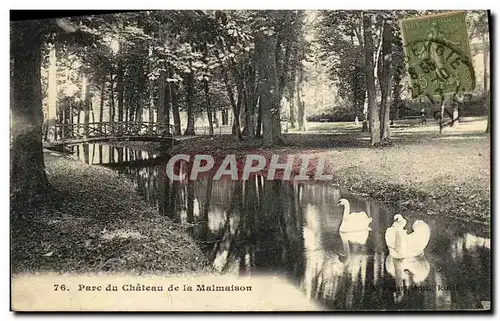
250, 160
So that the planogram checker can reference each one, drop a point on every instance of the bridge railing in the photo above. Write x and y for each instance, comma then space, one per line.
111, 129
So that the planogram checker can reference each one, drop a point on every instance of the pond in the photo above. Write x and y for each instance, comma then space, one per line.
291, 230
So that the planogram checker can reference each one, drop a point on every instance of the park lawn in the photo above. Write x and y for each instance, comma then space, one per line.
438, 177
97, 222
439, 174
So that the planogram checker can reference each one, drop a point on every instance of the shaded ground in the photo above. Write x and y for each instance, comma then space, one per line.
440, 174
97, 222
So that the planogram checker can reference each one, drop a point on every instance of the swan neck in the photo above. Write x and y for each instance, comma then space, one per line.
347, 210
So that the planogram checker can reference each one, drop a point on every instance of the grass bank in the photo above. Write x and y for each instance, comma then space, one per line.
97, 222
439, 174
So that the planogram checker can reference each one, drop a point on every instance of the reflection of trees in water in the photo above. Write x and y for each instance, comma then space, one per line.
106, 154
259, 230
472, 255
100, 154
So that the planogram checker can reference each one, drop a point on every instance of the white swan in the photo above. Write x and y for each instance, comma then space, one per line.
358, 237
353, 222
404, 245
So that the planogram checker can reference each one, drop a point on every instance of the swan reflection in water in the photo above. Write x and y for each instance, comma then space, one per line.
323, 269
356, 257
409, 273
326, 271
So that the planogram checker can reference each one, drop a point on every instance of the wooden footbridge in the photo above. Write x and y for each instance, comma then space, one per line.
70, 134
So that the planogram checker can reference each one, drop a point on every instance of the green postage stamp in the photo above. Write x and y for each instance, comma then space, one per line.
437, 54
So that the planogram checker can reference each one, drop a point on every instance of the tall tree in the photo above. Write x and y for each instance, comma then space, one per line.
385, 78
120, 88
151, 90
86, 101
189, 102
265, 45
209, 107
300, 101
28, 177
373, 110
175, 108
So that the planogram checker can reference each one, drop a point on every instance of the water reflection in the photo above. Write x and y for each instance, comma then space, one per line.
409, 274
277, 227
100, 154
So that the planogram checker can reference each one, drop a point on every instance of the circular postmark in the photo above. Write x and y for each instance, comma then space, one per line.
437, 66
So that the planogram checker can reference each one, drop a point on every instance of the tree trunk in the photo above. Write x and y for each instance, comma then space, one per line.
265, 46
292, 101
161, 120
52, 93
252, 99
209, 108
28, 177
454, 113
486, 58
79, 105
385, 81
86, 153
300, 103
119, 90
300, 113
396, 94
235, 104
161, 98
101, 109
86, 109
441, 114
455, 119
258, 128
68, 119
276, 123
249, 83
244, 116
190, 201
488, 126
151, 93
175, 110
167, 107
373, 110
365, 128
281, 70
236, 129
61, 119
141, 86
86, 116
189, 98
111, 99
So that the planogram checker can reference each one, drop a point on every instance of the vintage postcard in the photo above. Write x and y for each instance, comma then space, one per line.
250, 160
